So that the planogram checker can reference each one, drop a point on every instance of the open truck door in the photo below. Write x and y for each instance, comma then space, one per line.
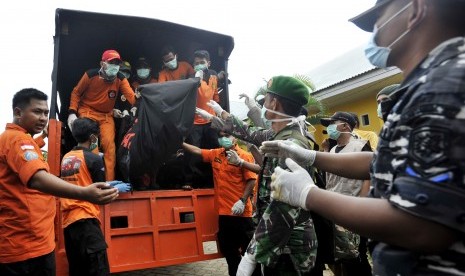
143, 229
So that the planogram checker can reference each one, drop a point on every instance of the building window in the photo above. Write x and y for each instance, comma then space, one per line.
365, 120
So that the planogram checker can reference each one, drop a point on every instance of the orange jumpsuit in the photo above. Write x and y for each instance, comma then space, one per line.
206, 92
94, 98
183, 72
27, 215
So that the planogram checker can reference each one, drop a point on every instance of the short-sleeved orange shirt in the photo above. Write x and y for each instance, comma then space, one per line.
230, 180
26, 215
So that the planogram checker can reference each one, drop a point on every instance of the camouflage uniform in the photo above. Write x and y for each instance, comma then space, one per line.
282, 229
420, 164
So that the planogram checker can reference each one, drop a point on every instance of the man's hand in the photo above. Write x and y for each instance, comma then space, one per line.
249, 102
291, 187
288, 149
204, 114
100, 193
45, 132
238, 208
71, 118
216, 107
233, 158
247, 265
117, 113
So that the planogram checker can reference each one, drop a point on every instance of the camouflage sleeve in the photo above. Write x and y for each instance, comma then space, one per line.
242, 131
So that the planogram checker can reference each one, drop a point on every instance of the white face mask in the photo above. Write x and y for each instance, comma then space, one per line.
300, 120
143, 73
377, 55
172, 64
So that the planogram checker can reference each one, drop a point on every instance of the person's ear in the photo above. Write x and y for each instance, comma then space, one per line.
17, 112
417, 14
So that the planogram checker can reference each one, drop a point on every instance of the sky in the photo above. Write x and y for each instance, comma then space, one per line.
271, 37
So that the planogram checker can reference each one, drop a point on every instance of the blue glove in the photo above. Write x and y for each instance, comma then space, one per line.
120, 185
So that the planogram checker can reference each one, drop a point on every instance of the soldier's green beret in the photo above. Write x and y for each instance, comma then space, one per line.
289, 88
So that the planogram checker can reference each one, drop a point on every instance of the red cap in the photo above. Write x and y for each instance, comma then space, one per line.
110, 55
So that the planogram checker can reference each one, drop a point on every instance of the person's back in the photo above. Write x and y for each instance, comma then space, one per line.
84, 242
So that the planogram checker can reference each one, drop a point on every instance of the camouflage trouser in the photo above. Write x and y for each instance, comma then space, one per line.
285, 230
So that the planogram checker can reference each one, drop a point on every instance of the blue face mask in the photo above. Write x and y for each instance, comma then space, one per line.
377, 55
143, 73
225, 142
94, 145
172, 64
378, 111
200, 67
333, 133
111, 70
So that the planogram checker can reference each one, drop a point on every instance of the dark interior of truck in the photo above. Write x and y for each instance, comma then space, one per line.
81, 37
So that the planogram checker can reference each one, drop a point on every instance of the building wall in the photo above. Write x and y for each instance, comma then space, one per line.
362, 106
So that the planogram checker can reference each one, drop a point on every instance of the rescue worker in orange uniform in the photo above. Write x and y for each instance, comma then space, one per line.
94, 97
27, 191
144, 73
201, 134
234, 185
84, 241
173, 69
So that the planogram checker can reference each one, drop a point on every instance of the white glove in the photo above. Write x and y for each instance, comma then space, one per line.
71, 118
204, 114
238, 208
117, 113
247, 265
216, 107
199, 74
137, 94
291, 187
134, 111
249, 102
288, 149
233, 158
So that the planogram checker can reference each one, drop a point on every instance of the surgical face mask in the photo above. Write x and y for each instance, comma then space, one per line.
172, 64
378, 55
143, 73
378, 111
266, 122
225, 142
333, 133
94, 145
200, 67
111, 70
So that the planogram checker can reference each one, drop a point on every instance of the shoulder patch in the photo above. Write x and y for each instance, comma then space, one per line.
428, 145
30, 155
27, 147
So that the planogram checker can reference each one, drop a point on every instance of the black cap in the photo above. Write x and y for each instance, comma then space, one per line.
339, 116
367, 19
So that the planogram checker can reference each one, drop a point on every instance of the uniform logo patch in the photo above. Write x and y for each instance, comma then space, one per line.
428, 145
30, 155
112, 94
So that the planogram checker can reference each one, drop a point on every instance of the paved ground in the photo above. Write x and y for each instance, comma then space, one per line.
216, 267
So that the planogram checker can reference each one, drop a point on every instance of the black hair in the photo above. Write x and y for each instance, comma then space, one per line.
23, 97
451, 14
167, 49
289, 107
202, 54
83, 128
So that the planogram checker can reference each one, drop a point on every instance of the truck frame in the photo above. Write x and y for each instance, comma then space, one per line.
143, 229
